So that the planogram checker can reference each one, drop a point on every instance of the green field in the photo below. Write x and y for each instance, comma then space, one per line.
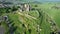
28, 23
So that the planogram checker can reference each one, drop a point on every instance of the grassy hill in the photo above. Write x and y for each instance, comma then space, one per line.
34, 22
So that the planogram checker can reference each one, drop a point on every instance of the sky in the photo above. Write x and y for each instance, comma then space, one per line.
31, 0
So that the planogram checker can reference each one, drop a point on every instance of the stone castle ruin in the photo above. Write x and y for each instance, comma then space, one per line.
24, 7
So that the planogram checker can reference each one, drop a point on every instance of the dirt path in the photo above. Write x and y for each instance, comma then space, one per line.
2, 31
26, 15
